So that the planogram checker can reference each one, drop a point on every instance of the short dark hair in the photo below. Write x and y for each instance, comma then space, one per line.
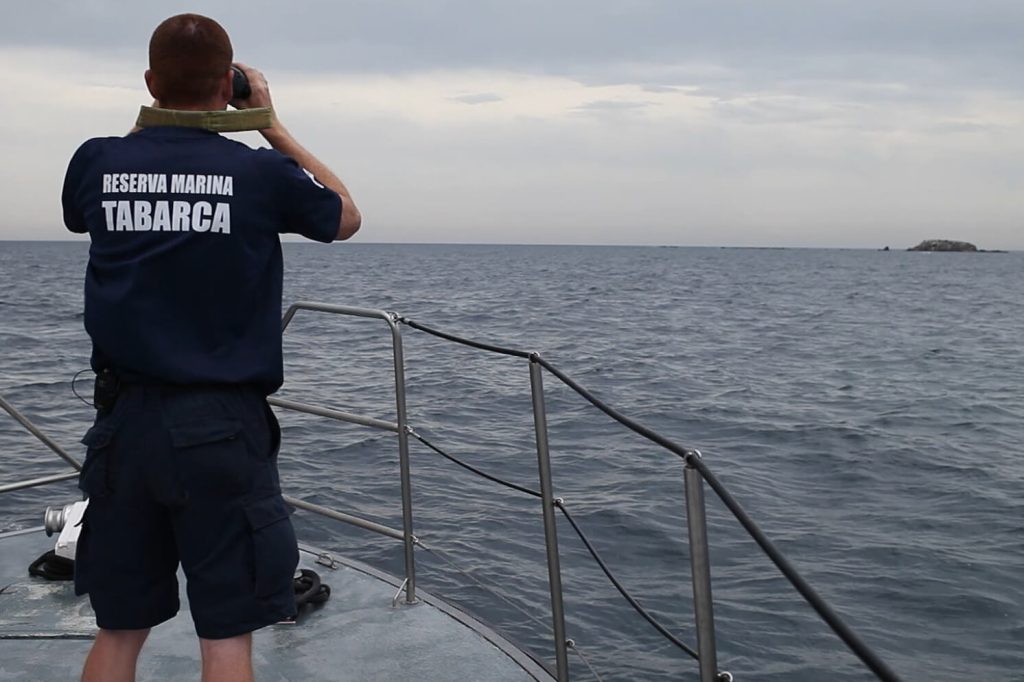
188, 56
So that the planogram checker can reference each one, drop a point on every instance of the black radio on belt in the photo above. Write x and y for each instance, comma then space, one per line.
105, 390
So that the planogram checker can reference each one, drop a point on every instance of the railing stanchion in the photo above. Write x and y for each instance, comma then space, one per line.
403, 461
695, 474
540, 422
700, 570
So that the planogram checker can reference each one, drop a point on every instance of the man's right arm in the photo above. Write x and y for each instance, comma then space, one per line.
74, 219
280, 139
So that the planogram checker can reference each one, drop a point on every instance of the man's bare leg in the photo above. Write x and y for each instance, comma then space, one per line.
227, 660
113, 656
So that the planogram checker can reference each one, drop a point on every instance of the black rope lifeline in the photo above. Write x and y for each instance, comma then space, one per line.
464, 341
622, 590
611, 411
842, 630
831, 618
593, 552
535, 357
470, 467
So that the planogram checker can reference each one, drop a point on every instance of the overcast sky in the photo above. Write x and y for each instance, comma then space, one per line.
716, 122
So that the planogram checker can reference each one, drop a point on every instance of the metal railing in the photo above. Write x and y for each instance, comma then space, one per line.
401, 428
695, 474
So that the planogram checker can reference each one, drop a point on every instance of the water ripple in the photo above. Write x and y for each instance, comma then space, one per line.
866, 408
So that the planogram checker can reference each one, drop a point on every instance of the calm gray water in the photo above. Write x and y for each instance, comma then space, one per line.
867, 408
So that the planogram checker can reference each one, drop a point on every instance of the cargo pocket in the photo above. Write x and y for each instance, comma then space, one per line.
275, 549
204, 431
94, 478
211, 457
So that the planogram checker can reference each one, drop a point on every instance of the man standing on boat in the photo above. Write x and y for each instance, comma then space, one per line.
183, 306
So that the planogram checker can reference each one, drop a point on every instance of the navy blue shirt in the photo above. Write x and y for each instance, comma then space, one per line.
185, 271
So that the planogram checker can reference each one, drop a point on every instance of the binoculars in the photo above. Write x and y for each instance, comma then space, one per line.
240, 84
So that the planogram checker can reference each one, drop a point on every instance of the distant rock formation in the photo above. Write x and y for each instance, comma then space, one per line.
943, 245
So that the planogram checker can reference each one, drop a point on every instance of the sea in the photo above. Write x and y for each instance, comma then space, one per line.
866, 408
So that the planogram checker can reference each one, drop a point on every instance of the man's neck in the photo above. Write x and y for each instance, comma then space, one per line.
205, 106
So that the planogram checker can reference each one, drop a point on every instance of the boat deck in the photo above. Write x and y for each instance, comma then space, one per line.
45, 631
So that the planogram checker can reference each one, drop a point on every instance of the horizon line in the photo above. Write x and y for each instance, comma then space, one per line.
557, 244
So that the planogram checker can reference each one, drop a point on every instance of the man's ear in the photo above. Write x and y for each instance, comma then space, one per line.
227, 86
151, 84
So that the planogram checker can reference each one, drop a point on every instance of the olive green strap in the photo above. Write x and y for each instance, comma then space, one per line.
231, 121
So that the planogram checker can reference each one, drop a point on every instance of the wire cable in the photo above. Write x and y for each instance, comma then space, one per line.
572, 645
843, 631
593, 552
831, 618
629, 423
464, 341
622, 590
471, 468
73, 390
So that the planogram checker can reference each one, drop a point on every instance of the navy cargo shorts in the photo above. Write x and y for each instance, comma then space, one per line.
189, 475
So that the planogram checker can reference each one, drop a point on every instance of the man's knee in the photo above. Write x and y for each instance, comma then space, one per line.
113, 655
126, 639
227, 660
239, 646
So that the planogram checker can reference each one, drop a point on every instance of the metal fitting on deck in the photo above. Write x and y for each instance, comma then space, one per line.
54, 519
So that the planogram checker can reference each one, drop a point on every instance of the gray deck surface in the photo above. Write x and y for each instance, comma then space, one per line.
45, 632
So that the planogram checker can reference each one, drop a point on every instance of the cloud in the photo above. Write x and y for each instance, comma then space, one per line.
576, 38
722, 122
477, 98
614, 105
659, 89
